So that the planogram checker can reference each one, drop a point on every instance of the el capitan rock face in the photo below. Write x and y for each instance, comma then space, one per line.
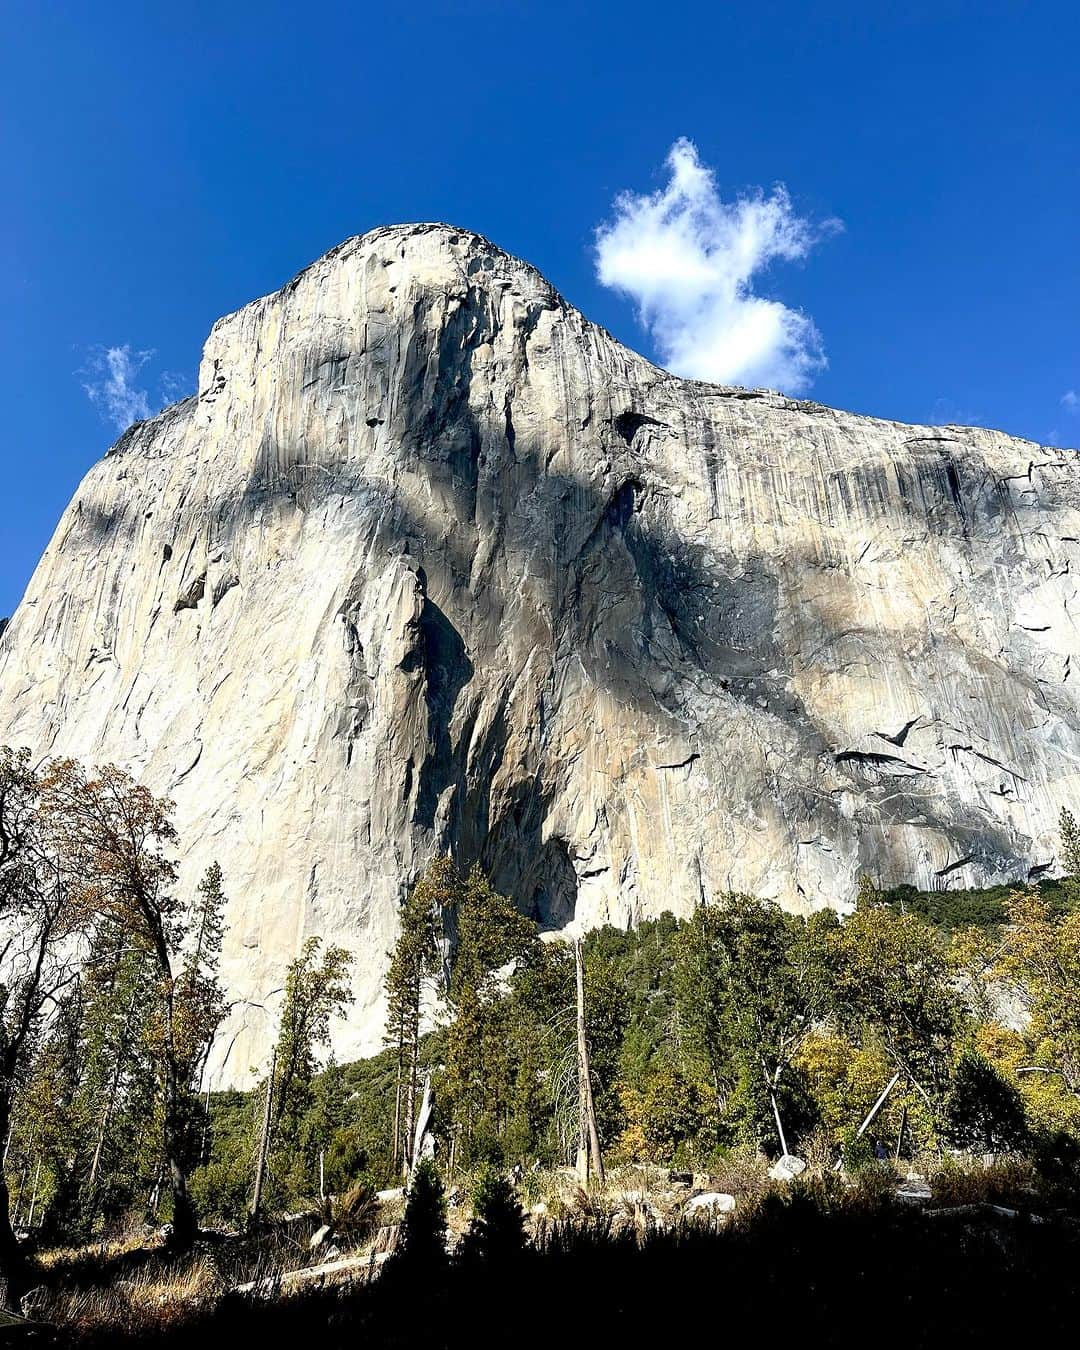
431, 562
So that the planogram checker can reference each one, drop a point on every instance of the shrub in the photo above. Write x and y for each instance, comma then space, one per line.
422, 1241
983, 1110
497, 1230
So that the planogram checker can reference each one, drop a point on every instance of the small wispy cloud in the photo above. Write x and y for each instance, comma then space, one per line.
946, 412
113, 379
174, 386
689, 260
1070, 400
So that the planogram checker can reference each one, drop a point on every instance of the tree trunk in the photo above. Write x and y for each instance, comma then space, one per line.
397, 1103
779, 1125
264, 1143
34, 1194
877, 1105
103, 1128
106, 1113
410, 1098
12, 1261
588, 1135
184, 1230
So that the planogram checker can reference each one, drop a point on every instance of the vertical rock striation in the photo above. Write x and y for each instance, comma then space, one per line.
431, 562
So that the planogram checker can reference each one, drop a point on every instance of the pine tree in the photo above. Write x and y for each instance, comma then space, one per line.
413, 965
983, 1110
703, 1023
763, 988
490, 935
52, 1127
323, 1123
199, 998
496, 1233
422, 1240
1069, 833
114, 1095
316, 991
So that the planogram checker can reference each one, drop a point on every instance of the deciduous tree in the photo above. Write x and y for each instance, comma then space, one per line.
113, 838
41, 925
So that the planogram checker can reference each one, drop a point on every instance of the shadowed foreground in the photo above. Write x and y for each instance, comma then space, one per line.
813, 1266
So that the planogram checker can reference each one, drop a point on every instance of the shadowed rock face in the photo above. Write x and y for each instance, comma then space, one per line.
432, 563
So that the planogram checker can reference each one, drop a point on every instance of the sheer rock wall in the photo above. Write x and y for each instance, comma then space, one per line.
431, 562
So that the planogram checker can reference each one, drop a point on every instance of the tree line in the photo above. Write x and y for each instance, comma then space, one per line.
740, 1026
746, 1026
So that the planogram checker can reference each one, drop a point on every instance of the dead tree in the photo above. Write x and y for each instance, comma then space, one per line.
588, 1135
263, 1154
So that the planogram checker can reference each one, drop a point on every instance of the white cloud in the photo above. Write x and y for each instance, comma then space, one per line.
1071, 400
689, 259
112, 373
112, 381
946, 412
175, 386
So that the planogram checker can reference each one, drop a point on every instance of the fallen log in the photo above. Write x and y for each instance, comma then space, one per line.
329, 1272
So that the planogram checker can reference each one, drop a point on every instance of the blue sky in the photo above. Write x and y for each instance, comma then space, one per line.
167, 163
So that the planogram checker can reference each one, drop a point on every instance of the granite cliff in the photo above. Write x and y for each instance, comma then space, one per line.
430, 562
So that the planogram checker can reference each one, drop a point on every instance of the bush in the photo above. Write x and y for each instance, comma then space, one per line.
346, 1161
422, 1241
497, 1230
221, 1191
983, 1110
353, 1216
1007, 1181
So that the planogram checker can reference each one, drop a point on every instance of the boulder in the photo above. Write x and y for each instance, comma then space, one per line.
787, 1168
710, 1203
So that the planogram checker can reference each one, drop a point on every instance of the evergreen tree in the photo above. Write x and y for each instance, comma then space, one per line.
867, 894
413, 965
200, 1001
104, 1155
316, 991
324, 1123
421, 1245
490, 935
541, 1054
496, 1233
702, 1023
1069, 833
983, 1110
52, 1127
607, 1014
761, 990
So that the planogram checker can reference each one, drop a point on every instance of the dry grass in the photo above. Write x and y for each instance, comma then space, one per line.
129, 1286
1010, 1182
743, 1173
149, 1301
638, 1196
106, 1252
